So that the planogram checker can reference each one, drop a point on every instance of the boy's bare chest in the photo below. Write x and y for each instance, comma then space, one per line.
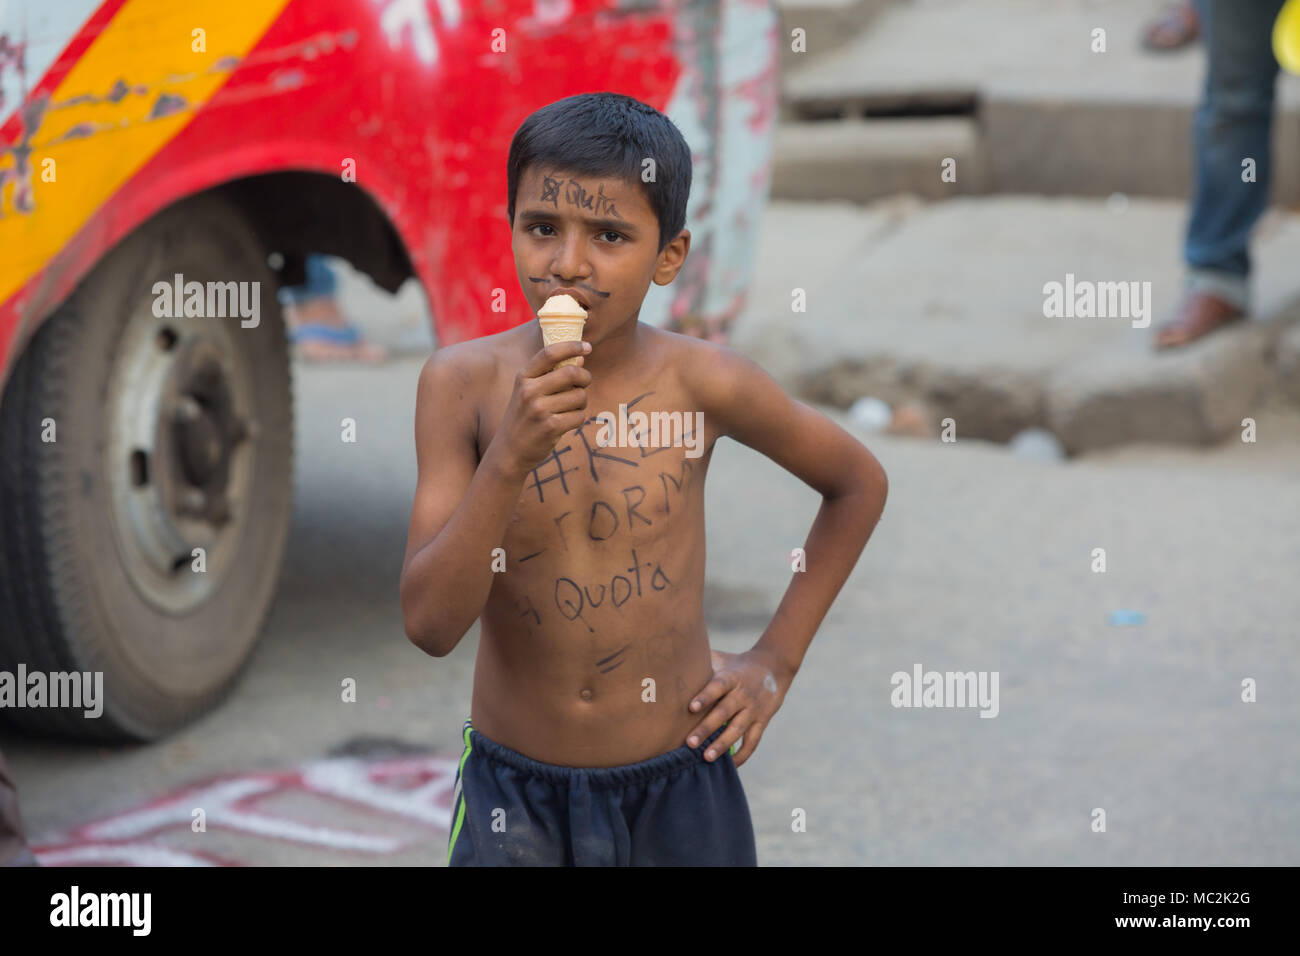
631, 477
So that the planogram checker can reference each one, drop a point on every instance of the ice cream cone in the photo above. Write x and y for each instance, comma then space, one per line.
562, 320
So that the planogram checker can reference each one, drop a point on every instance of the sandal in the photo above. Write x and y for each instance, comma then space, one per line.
328, 343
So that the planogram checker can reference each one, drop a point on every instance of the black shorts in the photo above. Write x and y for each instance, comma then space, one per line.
676, 809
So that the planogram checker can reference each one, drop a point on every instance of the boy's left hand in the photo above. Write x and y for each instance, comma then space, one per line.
746, 690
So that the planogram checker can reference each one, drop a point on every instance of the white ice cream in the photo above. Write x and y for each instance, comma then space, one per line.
562, 305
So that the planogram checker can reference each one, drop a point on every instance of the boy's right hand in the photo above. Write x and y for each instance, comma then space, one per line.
546, 403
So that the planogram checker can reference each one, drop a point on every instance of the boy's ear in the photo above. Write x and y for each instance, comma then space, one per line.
672, 258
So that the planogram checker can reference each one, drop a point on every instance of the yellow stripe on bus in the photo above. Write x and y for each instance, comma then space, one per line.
97, 130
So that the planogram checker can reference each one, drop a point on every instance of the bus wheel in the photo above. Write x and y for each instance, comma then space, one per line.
146, 480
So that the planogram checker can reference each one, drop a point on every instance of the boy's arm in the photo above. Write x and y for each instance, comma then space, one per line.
742, 401
460, 512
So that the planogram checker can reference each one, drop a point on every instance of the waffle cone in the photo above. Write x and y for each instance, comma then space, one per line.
562, 328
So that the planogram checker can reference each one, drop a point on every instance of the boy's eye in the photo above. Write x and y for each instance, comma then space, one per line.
617, 237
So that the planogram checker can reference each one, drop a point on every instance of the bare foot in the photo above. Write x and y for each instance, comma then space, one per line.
1173, 29
1198, 315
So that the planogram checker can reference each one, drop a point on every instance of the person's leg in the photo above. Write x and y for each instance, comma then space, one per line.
317, 327
1233, 130
320, 282
1233, 166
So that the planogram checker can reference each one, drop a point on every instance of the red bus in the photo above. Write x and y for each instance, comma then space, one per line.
151, 151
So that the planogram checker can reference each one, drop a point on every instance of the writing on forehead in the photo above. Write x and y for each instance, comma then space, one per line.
575, 194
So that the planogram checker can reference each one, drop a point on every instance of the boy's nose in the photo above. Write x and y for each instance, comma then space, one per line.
570, 263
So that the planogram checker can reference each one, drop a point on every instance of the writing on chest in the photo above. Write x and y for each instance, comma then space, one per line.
583, 500
563, 507
606, 478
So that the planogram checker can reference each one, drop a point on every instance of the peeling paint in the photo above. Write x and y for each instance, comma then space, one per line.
287, 79
19, 175
80, 131
225, 64
547, 14
407, 21
166, 105
725, 105
13, 60
167, 102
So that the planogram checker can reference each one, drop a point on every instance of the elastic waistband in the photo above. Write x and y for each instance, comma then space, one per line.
595, 777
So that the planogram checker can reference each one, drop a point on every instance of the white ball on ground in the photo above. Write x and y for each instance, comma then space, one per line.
870, 413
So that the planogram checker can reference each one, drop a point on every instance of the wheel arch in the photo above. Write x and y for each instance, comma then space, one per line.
299, 212
292, 212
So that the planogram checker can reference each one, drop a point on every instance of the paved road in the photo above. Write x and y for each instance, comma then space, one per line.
982, 562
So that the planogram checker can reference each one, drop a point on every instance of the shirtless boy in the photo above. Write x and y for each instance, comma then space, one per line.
602, 727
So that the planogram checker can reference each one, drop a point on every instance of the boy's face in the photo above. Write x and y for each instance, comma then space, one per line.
597, 236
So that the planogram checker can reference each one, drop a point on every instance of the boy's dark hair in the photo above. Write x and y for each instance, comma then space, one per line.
607, 134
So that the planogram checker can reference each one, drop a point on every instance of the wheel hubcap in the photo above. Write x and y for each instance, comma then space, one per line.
179, 454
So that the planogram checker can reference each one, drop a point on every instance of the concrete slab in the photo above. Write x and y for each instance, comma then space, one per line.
805, 245
1056, 117
827, 24
861, 160
960, 46
1197, 395
943, 304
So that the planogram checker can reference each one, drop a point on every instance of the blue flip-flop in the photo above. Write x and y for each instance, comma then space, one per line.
317, 332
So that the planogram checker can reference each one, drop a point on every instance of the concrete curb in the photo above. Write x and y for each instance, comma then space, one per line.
861, 160
943, 306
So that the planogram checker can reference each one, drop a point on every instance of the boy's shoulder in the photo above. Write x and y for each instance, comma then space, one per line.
473, 365
694, 357
456, 379
713, 373
473, 357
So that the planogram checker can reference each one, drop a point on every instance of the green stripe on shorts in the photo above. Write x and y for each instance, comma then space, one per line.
460, 812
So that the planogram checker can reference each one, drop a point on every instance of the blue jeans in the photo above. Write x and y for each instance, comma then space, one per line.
320, 283
1234, 122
